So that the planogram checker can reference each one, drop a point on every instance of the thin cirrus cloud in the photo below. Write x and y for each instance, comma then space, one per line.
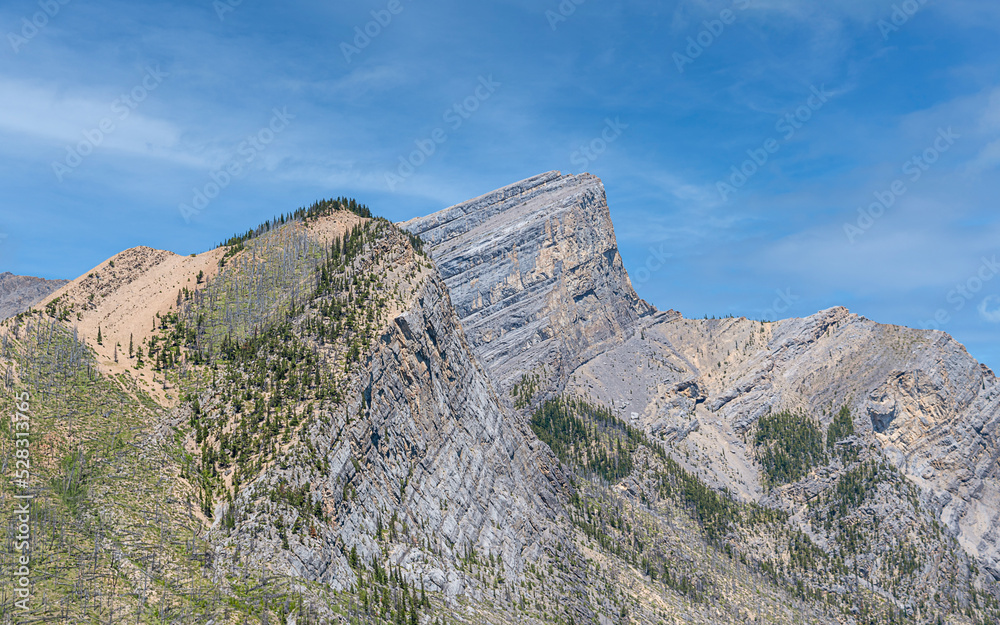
54, 120
891, 92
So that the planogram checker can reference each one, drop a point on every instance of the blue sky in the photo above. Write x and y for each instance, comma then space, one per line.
115, 114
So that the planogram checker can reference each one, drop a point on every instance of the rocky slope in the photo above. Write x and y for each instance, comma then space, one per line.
322, 437
918, 398
421, 446
19, 293
532, 263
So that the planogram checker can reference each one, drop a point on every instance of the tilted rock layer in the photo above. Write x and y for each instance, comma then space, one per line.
534, 272
424, 444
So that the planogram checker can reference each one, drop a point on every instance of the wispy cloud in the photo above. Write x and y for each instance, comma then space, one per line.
784, 230
56, 118
989, 309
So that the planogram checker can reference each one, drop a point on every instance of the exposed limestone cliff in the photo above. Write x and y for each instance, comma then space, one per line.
534, 273
317, 423
538, 281
423, 449
918, 397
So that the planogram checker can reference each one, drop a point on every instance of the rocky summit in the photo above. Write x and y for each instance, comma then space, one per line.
534, 273
528, 255
472, 417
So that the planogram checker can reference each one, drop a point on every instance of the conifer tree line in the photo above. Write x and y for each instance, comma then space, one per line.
320, 208
790, 444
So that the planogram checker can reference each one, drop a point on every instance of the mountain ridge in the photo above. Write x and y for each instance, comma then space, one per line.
326, 415
534, 262
701, 386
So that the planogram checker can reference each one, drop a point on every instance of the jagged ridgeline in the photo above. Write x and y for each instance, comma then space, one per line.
326, 449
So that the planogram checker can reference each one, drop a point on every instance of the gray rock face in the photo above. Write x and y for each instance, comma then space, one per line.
425, 450
534, 274
19, 293
536, 278
920, 401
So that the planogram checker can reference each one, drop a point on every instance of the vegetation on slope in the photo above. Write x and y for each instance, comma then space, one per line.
788, 445
111, 539
122, 503
117, 537
630, 506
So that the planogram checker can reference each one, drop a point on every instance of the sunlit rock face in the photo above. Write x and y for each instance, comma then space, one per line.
534, 273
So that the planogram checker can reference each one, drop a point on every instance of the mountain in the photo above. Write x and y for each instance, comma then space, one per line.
278, 421
540, 256
19, 293
473, 418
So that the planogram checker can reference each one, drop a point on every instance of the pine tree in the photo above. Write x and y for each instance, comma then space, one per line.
100, 339
131, 352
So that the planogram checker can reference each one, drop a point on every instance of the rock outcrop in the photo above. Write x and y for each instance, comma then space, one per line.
317, 427
424, 449
537, 280
918, 397
534, 273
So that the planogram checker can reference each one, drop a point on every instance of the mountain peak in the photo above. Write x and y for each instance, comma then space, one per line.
534, 273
